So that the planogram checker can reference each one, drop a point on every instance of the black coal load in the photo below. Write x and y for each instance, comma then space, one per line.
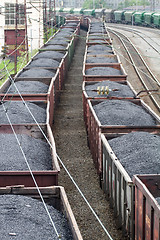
100, 52
64, 34
90, 37
25, 218
58, 41
54, 47
25, 87
138, 152
67, 29
121, 112
103, 71
99, 55
158, 200
49, 63
101, 60
99, 47
37, 73
97, 30
97, 34
71, 24
36, 151
96, 24
50, 54
115, 89
61, 38
96, 27
19, 114
99, 41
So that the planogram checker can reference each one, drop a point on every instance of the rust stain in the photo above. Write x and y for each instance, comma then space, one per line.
148, 221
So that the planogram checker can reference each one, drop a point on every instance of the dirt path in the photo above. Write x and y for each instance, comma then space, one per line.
71, 143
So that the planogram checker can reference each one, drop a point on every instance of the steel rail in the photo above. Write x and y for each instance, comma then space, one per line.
147, 78
139, 34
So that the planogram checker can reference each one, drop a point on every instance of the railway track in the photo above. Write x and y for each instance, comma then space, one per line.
139, 33
147, 78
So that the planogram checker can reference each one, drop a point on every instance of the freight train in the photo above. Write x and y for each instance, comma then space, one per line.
132, 17
121, 130
144, 18
134, 198
27, 143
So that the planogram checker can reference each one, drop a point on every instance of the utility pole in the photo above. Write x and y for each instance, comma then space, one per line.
55, 12
39, 22
50, 25
26, 36
16, 36
52, 17
45, 13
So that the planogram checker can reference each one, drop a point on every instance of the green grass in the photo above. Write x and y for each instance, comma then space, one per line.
50, 32
21, 62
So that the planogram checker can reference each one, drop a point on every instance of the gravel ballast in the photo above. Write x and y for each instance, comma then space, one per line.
122, 90
51, 63
36, 151
103, 71
119, 112
138, 152
37, 73
50, 54
18, 113
25, 218
29, 87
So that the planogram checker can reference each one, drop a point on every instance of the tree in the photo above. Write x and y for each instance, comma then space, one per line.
128, 3
89, 4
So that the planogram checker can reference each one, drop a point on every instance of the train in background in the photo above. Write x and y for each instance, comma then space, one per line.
143, 18
132, 17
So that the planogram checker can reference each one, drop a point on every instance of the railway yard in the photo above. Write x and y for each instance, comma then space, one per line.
88, 110
146, 42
